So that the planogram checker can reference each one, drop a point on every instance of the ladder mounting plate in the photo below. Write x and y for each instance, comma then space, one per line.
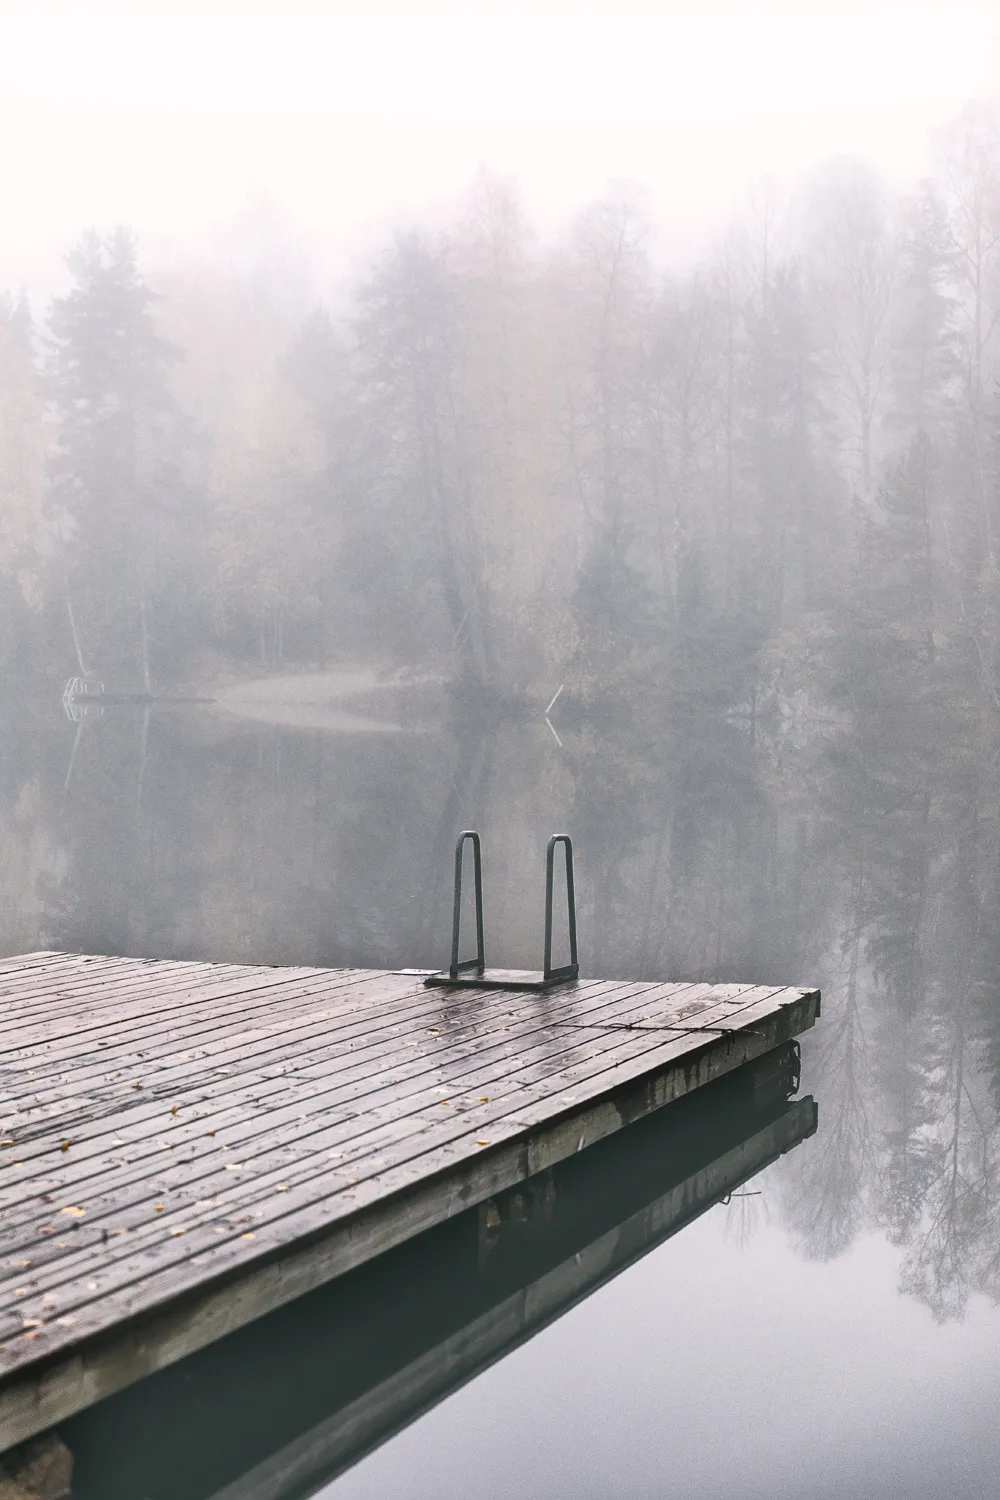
502, 979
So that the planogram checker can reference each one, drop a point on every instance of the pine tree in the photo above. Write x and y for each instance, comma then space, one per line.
790, 541
419, 531
23, 535
924, 360
615, 614
890, 638
117, 481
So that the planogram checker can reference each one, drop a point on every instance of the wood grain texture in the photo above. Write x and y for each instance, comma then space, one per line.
185, 1146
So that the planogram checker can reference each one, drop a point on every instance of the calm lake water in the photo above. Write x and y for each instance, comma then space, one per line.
836, 1333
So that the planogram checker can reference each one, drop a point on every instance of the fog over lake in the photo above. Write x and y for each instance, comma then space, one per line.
584, 422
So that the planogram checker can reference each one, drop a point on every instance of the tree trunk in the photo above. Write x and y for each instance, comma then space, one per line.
147, 681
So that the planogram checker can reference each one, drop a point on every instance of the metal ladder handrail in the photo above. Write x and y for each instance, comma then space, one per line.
572, 969
509, 977
479, 962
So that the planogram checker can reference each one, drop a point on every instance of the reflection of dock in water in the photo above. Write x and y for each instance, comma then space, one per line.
187, 1147
284, 1405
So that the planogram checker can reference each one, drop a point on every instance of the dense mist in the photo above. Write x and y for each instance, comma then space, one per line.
746, 514
765, 483
415, 423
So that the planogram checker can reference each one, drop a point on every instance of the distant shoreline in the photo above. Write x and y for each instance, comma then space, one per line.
343, 700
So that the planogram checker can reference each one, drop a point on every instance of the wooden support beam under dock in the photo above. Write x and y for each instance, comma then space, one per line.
185, 1147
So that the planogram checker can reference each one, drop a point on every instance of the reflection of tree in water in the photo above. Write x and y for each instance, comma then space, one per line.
829, 1202
909, 1140
748, 1210
689, 871
867, 862
951, 1239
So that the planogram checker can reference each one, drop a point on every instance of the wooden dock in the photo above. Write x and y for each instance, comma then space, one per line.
278, 1409
185, 1147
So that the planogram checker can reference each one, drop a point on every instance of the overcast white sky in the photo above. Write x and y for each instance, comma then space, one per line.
350, 116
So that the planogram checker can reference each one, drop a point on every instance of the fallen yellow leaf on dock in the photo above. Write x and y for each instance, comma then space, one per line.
482, 1143
77, 1213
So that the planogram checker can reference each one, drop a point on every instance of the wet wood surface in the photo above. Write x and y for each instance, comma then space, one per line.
184, 1146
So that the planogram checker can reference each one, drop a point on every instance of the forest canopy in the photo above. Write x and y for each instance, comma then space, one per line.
516, 462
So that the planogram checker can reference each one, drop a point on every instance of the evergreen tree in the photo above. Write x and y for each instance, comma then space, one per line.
902, 597
852, 267
924, 360
790, 542
23, 535
615, 616
118, 484
418, 531
320, 371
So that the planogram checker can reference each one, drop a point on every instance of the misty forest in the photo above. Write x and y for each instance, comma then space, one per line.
747, 514
769, 481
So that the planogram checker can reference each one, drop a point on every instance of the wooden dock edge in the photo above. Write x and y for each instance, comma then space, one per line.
321, 1455
38, 1396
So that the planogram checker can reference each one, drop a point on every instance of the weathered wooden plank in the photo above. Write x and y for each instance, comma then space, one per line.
99, 1367
278, 1380
244, 1048
247, 1051
319, 1117
391, 1003
562, 1046
89, 978
49, 957
139, 1111
282, 1170
390, 1006
130, 999
353, 1153
155, 1110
